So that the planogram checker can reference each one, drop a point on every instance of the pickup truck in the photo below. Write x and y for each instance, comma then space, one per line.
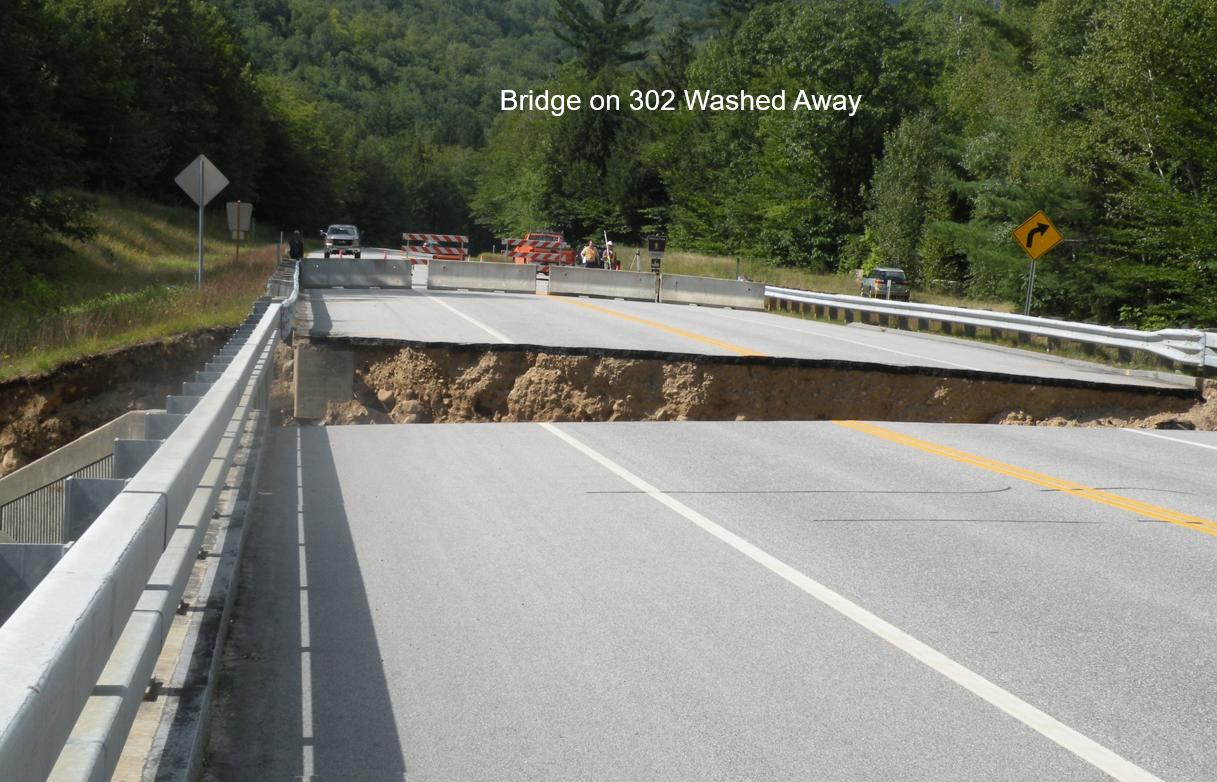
341, 240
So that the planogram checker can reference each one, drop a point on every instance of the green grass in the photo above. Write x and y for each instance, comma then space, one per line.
135, 281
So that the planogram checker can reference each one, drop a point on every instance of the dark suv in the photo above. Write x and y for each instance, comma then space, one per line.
341, 240
886, 283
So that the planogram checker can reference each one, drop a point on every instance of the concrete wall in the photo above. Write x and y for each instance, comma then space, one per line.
603, 283
476, 276
80, 453
355, 273
321, 375
710, 292
22, 567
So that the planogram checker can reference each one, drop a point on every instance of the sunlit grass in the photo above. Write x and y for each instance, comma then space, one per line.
136, 281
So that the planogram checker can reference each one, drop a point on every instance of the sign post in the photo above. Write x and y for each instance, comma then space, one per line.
1036, 236
655, 248
202, 181
240, 217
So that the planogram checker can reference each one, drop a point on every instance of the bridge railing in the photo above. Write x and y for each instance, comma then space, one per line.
1189, 347
77, 655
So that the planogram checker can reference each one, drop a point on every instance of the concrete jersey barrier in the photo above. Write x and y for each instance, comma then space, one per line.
477, 276
604, 283
355, 273
711, 292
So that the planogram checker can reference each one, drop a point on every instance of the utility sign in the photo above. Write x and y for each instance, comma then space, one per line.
655, 248
1037, 236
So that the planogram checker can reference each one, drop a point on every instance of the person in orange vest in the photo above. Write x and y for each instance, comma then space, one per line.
588, 255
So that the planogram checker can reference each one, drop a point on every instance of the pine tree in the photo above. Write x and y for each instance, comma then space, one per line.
602, 40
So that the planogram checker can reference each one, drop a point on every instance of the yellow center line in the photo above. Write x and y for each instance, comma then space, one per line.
1068, 487
689, 334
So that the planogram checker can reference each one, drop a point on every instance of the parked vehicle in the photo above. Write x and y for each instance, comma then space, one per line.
886, 283
341, 240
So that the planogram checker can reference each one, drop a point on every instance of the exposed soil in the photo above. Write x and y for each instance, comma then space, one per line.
39, 413
419, 385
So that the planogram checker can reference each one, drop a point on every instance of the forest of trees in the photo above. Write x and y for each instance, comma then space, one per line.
975, 113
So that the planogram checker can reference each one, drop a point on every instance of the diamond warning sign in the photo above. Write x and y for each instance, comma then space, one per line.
1037, 236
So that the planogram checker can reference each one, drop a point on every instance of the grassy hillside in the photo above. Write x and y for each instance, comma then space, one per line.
134, 281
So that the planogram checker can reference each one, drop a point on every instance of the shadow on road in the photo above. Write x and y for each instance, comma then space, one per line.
355, 734
260, 728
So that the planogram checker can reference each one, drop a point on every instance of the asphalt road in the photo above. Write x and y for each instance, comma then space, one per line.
462, 317
725, 601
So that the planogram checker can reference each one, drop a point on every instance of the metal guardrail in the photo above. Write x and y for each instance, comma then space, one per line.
77, 654
1189, 347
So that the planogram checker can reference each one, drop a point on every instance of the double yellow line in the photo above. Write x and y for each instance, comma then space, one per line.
1068, 487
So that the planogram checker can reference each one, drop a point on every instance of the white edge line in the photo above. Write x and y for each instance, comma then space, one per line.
1172, 439
1087, 749
496, 334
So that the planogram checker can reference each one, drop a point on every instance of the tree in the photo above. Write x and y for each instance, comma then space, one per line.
728, 15
604, 40
36, 147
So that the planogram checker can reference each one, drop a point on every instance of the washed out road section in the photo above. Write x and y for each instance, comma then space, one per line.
416, 316
490, 602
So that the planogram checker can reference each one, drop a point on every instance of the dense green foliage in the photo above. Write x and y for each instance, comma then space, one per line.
973, 115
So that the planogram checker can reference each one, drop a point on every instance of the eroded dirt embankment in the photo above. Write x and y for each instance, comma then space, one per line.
412, 385
39, 413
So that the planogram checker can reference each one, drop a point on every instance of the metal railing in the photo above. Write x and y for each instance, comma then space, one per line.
1189, 347
78, 653
37, 517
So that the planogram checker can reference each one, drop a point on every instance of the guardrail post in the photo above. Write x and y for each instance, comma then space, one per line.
923, 324
969, 330
849, 315
1024, 338
1124, 355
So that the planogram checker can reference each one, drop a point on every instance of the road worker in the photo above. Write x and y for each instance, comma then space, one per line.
610, 257
295, 248
588, 255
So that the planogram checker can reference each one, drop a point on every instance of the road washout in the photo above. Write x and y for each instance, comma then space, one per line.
401, 385
42, 412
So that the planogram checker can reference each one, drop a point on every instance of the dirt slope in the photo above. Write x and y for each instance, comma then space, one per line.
39, 413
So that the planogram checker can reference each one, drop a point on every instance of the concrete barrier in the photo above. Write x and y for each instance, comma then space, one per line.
603, 283
476, 276
355, 273
76, 455
711, 292
321, 375
22, 568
